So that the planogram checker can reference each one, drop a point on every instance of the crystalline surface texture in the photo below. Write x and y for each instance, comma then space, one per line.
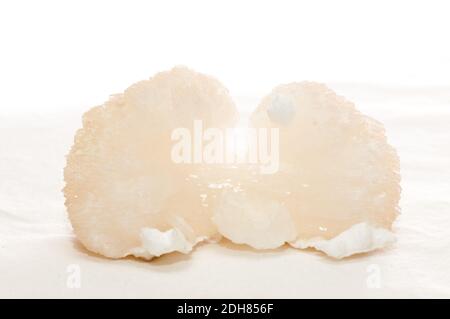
336, 189
336, 170
123, 191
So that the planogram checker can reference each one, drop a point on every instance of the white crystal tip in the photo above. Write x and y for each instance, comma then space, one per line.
359, 238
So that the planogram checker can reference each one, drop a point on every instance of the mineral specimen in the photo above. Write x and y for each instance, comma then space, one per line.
138, 183
337, 187
124, 194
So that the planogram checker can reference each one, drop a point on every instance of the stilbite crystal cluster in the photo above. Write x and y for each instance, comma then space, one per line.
124, 194
336, 189
338, 184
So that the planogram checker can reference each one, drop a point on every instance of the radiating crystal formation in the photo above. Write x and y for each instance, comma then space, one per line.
335, 187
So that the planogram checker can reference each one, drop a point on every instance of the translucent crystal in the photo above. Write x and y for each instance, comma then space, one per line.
335, 186
336, 171
122, 187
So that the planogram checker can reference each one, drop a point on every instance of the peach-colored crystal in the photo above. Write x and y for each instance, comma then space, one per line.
336, 188
336, 170
124, 194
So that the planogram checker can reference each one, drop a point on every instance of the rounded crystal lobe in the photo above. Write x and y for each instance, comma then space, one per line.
120, 177
336, 170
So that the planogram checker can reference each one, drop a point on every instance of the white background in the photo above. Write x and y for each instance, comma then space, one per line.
60, 54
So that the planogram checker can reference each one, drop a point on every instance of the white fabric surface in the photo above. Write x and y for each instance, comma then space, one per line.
37, 247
